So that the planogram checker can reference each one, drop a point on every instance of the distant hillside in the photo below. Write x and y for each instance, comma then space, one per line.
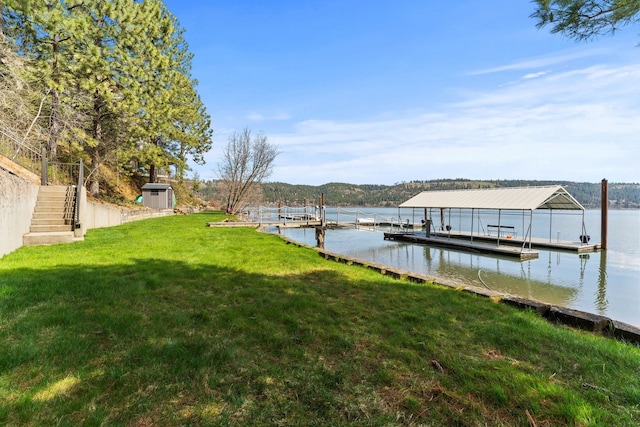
621, 196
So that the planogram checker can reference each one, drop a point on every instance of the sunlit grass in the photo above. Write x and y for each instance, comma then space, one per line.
169, 322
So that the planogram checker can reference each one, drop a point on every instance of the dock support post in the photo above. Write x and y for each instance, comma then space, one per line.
323, 218
604, 214
472, 226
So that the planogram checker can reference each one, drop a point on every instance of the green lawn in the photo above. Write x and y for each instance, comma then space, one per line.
168, 322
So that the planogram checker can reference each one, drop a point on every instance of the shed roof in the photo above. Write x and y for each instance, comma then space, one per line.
512, 198
156, 186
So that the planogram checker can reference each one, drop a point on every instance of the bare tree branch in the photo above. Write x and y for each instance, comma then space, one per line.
247, 161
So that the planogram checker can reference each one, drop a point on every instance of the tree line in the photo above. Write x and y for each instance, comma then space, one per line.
621, 195
105, 81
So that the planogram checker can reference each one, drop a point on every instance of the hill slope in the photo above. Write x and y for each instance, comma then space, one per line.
623, 196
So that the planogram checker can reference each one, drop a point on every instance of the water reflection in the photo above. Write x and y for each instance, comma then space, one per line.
601, 295
601, 282
500, 274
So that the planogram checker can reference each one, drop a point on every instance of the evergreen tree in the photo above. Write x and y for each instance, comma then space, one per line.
585, 19
117, 74
44, 32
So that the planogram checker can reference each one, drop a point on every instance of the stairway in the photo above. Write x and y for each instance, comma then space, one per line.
52, 220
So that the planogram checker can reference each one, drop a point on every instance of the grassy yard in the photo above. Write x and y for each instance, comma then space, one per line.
167, 322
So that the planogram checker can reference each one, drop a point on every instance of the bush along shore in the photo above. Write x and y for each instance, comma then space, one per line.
168, 322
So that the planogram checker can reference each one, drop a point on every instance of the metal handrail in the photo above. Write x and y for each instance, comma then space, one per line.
35, 160
69, 206
19, 151
76, 206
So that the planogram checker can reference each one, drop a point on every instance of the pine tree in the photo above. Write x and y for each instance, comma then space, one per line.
585, 19
117, 75
45, 34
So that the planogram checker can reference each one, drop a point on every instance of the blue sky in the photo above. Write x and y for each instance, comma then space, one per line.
380, 92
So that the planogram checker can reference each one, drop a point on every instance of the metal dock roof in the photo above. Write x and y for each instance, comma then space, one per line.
511, 198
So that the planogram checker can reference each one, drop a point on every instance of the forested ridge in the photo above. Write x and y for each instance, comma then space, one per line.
621, 195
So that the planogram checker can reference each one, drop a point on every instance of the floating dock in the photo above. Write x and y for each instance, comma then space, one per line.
506, 245
511, 240
464, 245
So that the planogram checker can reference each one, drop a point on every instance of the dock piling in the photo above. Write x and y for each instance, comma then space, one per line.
604, 214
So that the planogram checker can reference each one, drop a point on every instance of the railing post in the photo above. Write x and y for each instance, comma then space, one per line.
79, 194
44, 178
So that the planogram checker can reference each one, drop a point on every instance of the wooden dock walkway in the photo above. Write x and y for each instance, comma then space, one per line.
288, 222
256, 224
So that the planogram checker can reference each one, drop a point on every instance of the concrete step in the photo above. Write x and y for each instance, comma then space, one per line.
38, 239
55, 192
48, 224
53, 188
48, 214
50, 203
51, 197
49, 228
47, 221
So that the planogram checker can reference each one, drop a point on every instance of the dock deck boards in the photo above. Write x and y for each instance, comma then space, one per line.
282, 224
465, 245
536, 242
513, 246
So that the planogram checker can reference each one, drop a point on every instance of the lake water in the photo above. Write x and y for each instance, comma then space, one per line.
606, 282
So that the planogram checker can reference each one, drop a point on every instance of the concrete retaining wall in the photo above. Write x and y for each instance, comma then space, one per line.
17, 201
99, 215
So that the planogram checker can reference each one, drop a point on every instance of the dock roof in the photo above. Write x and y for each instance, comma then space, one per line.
508, 198
156, 186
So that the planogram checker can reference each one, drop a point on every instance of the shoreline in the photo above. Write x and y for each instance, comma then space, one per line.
578, 319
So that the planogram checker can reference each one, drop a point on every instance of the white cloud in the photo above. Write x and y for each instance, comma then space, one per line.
578, 125
535, 75
259, 117
542, 62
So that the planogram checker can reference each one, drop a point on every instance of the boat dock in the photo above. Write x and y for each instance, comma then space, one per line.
496, 204
464, 245
256, 224
491, 244
513, 240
